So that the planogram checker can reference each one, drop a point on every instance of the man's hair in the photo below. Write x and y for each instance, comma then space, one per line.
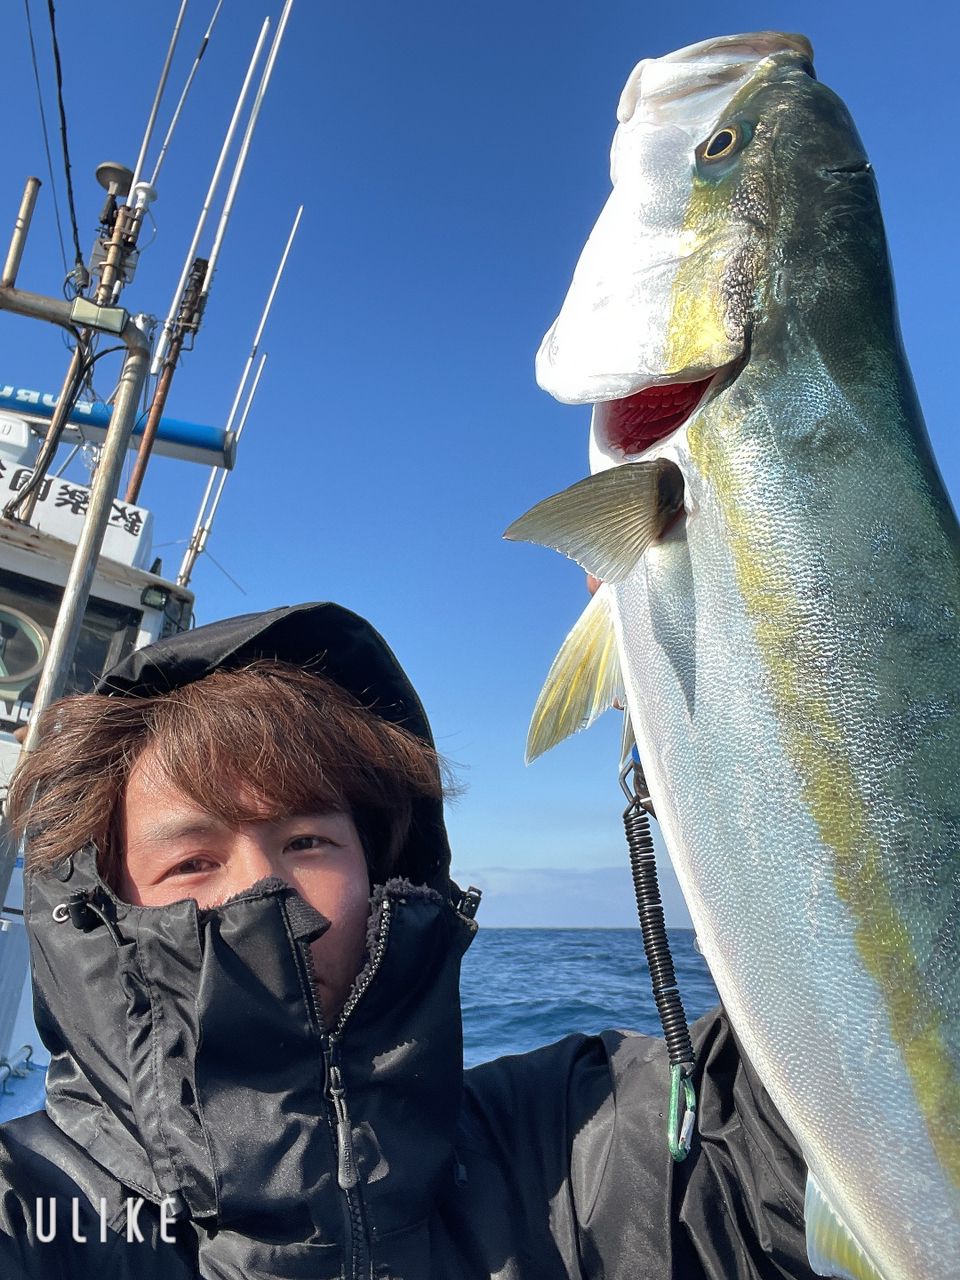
259, 742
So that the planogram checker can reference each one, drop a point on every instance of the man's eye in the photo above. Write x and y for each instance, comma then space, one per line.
301, 844
192, 867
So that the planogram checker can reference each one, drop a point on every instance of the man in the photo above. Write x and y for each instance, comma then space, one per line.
246, 951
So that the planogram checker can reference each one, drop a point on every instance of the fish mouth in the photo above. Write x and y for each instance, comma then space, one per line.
635, 423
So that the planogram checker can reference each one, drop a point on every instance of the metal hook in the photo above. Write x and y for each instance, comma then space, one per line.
680, 1131
637, 794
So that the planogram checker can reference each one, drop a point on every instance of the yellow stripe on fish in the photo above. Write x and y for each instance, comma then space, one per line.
813, 740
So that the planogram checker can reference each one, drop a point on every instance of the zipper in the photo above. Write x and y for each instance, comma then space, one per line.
338, 1125
348, 1175
370, 971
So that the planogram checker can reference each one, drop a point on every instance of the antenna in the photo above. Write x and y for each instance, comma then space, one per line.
168, 327
208, 509
242, 154
183, 95
263, 320
152, 119
204, 521
186, 315
115, 178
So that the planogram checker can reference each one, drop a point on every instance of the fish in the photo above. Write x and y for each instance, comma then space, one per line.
780, 613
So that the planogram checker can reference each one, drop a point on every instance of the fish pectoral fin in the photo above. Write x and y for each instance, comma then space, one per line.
584, 680
832, 1249
607, 521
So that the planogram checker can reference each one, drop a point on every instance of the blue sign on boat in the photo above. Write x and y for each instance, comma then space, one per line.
191, 441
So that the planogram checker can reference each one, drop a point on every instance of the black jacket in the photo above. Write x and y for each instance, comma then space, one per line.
196, 1100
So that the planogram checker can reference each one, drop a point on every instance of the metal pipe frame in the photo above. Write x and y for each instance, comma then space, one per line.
76, 593
19, 237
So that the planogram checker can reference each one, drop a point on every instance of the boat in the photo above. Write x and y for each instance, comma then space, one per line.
81, 585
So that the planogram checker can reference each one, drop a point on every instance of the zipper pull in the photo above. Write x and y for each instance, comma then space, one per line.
347, 1175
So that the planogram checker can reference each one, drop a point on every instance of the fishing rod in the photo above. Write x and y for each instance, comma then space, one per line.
218, 475
186, 309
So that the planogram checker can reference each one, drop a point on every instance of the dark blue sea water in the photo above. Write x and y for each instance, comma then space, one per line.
522, 988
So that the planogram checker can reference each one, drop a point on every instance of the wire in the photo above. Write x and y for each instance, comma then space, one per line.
70, 457
88, 370
43, 126
43, 465
50, 445
224, 572
81, 380
78, 256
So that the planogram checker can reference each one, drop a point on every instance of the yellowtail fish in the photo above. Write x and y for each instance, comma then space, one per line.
781, 614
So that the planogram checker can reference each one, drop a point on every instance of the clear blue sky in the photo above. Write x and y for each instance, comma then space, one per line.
452, 160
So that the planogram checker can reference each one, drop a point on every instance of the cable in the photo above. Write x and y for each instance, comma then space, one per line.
88, 370
52, 443
78, 256
43, 126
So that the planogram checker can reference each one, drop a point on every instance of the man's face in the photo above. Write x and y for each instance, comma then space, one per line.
173, 850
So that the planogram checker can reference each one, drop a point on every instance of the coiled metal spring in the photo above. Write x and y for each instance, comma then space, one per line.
673, 1019
663, 979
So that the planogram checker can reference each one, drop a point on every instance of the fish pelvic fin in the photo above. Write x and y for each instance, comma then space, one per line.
584, 680
832, 1249
607, 521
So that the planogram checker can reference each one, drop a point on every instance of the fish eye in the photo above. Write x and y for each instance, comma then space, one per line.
724, 142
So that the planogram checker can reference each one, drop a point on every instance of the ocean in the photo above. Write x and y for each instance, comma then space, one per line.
522, 988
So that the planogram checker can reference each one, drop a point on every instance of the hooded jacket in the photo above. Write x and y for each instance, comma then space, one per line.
202, 1121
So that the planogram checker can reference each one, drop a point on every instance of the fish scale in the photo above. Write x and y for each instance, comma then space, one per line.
788, 648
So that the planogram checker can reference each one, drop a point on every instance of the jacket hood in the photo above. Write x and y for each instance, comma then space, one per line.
190, 1059
322, 637
189, 1053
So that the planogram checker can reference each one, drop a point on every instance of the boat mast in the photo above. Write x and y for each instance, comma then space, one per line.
119, 248
84, 318
132, 332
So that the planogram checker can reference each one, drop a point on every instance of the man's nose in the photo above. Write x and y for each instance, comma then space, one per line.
253, 859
